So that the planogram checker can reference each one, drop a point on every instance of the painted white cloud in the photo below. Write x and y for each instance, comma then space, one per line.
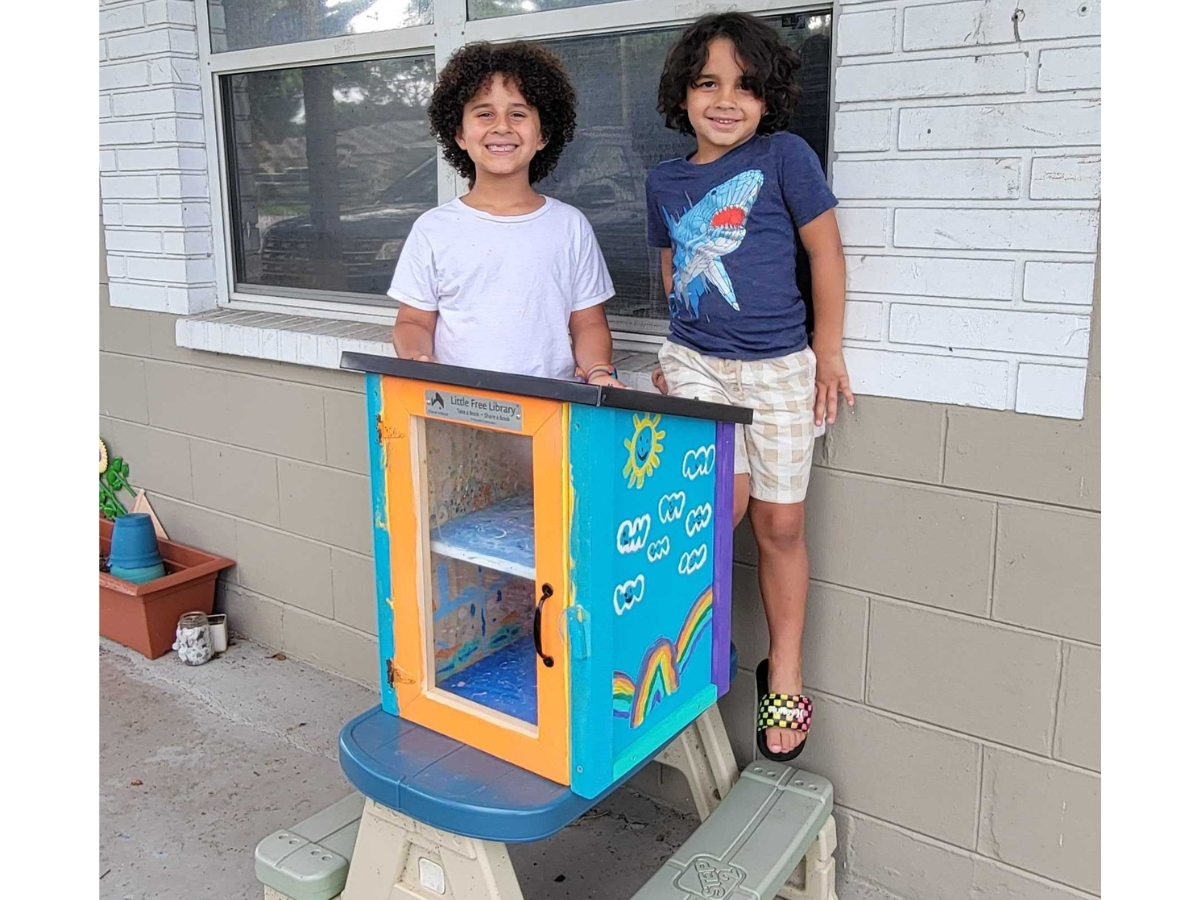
698, 519
629, 593
699, 462
693, 560
658, 549
670, 506
632, 534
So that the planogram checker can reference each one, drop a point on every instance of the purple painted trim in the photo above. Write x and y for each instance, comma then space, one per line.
723, 559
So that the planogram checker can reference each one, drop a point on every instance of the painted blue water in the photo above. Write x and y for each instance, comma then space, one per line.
498, 537
505, 681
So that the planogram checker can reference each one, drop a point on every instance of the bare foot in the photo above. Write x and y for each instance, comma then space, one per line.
783, 679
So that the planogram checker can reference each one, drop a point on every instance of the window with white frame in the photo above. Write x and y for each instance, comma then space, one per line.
324, 153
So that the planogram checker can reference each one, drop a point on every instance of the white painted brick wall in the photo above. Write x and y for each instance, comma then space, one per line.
859, 34
955, 77
866, 130
1055, 282
966, 149
977, 279
1053, 124
154, 182
174, 11
864, 320
1068, 230
862, 227
1072, 69
985, 22
982, 179
1051, 390
1065, 178
1049, 19
956, 328
938, 379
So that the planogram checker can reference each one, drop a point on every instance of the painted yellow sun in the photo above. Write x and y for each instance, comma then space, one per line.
643, 447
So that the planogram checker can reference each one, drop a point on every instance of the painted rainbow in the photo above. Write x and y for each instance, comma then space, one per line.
698, 618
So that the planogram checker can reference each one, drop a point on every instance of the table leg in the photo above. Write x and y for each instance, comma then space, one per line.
399, 858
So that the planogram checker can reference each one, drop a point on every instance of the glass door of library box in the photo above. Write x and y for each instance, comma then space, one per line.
476, 497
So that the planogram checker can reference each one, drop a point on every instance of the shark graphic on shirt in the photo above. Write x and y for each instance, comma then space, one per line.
712, 228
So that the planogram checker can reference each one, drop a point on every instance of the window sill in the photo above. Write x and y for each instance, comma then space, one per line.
310, 341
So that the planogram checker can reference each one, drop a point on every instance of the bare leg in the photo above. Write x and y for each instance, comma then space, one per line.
783, 581
741, 497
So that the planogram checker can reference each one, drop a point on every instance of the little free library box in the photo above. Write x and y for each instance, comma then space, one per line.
553, 562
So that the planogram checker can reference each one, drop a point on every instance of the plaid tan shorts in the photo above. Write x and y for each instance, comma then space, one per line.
777, 448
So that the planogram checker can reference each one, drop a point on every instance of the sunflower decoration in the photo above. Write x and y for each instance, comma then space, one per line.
643, 447
103, 457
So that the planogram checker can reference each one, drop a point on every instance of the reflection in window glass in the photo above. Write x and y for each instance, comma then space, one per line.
620, 137
331, 166
239, 24
490, 9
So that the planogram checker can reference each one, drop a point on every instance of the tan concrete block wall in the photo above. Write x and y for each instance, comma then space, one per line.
952, 645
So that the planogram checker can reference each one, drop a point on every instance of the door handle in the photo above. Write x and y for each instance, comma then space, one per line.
547, 593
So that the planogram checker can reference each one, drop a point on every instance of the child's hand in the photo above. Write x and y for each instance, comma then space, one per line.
659, 379
832, 378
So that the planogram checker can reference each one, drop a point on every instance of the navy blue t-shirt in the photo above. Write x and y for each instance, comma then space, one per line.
732, 225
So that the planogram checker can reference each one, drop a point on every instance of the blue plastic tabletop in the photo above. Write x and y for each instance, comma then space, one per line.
444, 783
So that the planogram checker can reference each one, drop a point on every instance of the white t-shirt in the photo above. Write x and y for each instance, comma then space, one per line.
504, 287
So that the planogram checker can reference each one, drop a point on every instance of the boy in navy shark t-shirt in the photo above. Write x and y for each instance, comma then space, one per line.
726, 219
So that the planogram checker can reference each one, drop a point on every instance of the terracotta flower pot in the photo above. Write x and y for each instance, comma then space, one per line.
144, 616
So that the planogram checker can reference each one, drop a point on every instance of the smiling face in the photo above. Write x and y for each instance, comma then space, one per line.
500, 131
723, 112
643, 446
644, 443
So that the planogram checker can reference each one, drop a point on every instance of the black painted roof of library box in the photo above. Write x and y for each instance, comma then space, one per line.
546, 388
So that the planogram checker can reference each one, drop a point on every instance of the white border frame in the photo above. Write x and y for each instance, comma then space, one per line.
450, 30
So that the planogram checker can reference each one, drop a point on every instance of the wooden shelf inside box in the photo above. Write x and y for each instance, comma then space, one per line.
497, 537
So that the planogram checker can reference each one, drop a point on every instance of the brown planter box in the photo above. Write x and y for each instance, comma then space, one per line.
144, 616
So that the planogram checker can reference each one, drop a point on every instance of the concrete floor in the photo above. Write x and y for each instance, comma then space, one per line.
198, 764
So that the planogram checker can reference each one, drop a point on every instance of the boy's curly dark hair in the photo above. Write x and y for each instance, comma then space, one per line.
770, 68
533, 70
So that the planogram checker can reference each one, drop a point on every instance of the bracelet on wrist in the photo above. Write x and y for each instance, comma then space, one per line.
607, 368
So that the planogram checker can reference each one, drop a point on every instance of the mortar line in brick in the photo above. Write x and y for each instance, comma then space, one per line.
988, 743
313, 615
109, 415
955, 491
991, 598
1009, 47
945, 440
324, 431
978, 804
1073, 99
1058, 698
216, 368
962, 616
946, 155
237, 518
225, 443
866, 681
271, 453
958, 204
954, 848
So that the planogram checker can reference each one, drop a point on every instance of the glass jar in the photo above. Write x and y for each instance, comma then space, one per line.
193, 639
